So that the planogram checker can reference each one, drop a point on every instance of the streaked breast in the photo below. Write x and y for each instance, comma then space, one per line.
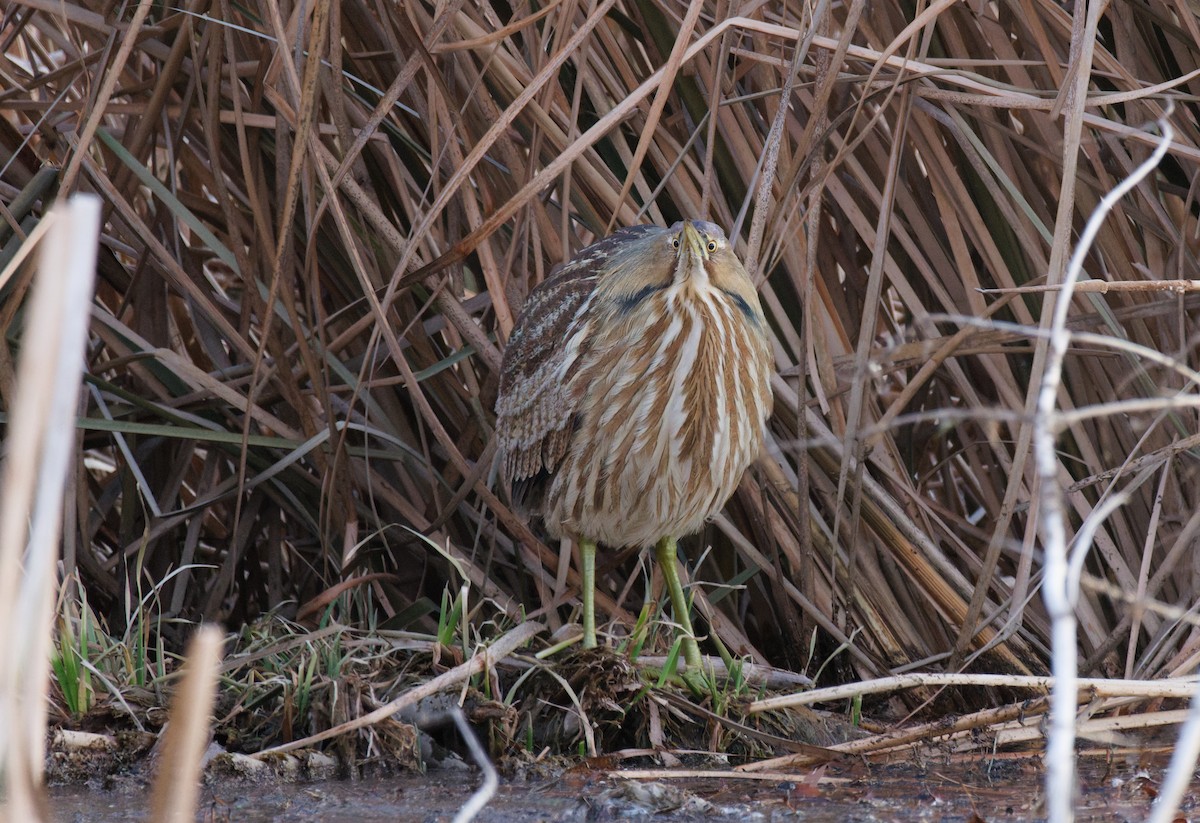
675, 395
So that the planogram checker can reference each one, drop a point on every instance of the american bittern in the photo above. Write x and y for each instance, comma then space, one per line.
633, 395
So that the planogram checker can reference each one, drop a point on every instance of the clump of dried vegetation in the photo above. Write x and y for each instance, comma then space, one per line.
321, 220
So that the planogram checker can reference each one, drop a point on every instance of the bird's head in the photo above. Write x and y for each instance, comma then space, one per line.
703, 256
694, 243
692, 256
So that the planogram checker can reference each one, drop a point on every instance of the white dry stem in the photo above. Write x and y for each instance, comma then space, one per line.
1060, 586
41, 437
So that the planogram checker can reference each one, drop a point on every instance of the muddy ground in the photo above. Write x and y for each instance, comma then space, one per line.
971, 791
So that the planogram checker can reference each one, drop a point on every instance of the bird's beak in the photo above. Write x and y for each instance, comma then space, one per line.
692, 241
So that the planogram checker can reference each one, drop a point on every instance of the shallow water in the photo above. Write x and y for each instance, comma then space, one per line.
1002, 790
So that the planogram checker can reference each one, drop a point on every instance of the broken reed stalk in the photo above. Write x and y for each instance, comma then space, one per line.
486, 659
1095, 686
984, 732
186, 736
1097, 728
910, 736
41, 439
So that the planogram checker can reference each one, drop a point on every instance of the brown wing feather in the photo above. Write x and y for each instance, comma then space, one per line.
535, 415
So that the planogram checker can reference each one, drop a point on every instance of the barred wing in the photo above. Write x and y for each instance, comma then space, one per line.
535, 414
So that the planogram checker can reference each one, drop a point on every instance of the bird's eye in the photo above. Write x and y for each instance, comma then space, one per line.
675, 242
712, 246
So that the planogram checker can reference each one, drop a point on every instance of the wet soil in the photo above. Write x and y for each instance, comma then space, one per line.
969, 791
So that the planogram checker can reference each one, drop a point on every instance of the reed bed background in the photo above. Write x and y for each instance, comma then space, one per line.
320, 222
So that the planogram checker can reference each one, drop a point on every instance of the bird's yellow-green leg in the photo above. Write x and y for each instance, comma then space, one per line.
587, 553
664, 553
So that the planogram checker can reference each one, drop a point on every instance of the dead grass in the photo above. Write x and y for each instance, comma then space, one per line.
321, 221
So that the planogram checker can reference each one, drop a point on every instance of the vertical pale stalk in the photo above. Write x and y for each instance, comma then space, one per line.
1060, 588
177, 778
41, 437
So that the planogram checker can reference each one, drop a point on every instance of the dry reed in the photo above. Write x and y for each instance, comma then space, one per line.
321, 221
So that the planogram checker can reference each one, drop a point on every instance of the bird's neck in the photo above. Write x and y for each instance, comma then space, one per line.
690, 272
